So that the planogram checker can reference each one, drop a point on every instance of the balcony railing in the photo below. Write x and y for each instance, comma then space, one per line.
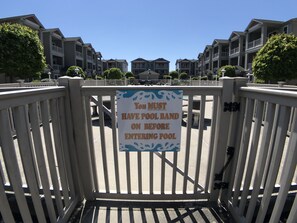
234, 51
78, 54
57, 67
89, 58
57, 49
215, 55
255, 43
224, 54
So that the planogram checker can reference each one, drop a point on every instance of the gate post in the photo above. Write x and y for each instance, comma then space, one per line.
234, 136
221, 138
80, 137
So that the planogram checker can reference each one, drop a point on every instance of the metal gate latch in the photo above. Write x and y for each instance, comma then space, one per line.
231, 107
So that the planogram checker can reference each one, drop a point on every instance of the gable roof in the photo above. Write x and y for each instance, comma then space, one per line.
236, 33
220, 41
54, 30
74, 39
139, 59
254, 22
161, 59
19, 19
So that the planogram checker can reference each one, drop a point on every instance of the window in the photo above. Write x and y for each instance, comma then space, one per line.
285, 29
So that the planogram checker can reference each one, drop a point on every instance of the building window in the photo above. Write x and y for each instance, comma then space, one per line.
285, 29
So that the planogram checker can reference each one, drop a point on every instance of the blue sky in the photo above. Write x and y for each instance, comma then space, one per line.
150, 29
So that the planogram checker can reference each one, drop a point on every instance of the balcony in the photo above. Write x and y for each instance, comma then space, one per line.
234, 51
255, 43
57, 49
215, 55
90, 58
57, 67
78, 54
225, 54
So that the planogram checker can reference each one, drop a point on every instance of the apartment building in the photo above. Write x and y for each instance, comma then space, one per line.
188, 66
207, 54
89, 57
53, 43
237, 48
99, 64
241, 47
61, 52
220, 54
160, 66
200, 64
115, 63
257, 33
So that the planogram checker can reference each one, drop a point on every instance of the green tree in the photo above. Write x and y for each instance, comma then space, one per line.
183, 76
277, 59
72, 72
115, 73
229, 71
129, 74
21, 52
105, 73
173, 74
166, 77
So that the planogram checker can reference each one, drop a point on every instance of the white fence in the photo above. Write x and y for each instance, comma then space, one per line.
263, 174
36, 159
239, 152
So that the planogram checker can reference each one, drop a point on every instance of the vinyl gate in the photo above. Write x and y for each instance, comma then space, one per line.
184, 175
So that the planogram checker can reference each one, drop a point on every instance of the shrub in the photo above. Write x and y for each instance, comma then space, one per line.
229, 71
277, 59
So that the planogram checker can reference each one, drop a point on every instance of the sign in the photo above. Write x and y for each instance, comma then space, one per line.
149, 120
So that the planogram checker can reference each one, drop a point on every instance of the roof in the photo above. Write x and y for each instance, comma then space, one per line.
74, 39
253, 22
207, 47
161, 59
139, 59
149, 74
236, 33
116, 60
54, 30
30, 17
185, 60
220, 41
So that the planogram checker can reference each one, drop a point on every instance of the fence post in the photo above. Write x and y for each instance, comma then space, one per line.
234, 135
221, 138
80, 137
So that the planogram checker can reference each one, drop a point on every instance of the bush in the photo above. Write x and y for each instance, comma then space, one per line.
21, 52
115, 73
277, 59
183, 76
173, 74
229, 71
72, 73
167, 77
129, 74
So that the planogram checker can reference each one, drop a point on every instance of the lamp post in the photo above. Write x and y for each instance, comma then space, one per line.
49, 76
223, 72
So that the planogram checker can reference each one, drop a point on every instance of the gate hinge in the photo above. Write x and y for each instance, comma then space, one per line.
231, 106
221, 185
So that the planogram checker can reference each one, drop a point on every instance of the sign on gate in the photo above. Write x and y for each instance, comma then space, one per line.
149, 120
